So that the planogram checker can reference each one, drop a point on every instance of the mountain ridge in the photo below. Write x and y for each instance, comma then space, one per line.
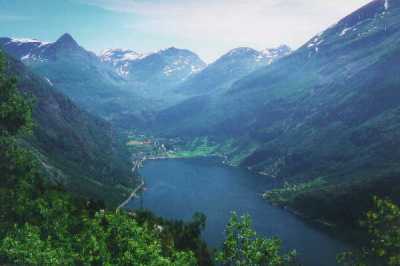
230, 67
80, 75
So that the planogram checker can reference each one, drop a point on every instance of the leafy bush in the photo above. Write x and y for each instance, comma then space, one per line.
242, 247
383, 227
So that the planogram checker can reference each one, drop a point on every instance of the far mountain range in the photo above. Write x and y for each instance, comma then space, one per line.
121, 84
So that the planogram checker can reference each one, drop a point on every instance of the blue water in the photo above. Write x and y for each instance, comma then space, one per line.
177, 188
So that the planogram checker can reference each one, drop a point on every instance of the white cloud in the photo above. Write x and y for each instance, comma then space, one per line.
216, 25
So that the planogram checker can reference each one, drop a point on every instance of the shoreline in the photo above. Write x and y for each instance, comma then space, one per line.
131, 196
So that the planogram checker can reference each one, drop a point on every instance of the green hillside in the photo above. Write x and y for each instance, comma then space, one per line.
76, 149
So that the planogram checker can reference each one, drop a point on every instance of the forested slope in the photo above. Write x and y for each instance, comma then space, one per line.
75, 148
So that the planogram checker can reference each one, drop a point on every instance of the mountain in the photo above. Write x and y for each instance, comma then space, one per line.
170, 65
120, 59
20, 47
231, 67
155, 74
122, 86
75, 148
32, 51
273, 54
79, 74
325, 117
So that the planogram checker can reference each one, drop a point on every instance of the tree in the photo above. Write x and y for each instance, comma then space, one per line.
17, 167
242, 247
24, 246
382, 224
15, 109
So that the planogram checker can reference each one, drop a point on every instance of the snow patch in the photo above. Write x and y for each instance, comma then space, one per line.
183, 65
344, 31
117, 56
24, 40
123, 71
49, 81
21, 41
32, 58
196, 69
238, 51
316, 42
270, 55
26, 57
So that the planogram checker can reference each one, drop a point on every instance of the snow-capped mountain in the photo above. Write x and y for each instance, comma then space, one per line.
272, 54
171, 65
153, 74
231, 67
20, 47
70, 68
182, 62
263, 57
32, 51
93, 79
116, 56
120, 59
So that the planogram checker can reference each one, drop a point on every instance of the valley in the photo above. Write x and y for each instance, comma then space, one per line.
305, 140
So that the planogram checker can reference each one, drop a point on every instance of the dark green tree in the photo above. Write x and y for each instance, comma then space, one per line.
15, 109
17, 167
382, 224
242, 246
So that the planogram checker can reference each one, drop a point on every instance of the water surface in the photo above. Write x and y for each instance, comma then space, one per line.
178, 188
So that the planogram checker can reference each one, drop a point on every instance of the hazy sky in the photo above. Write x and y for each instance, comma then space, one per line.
208, 27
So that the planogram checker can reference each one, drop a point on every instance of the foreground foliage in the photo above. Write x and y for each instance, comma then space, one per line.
242, 247
383, 227
186, 236
40, 224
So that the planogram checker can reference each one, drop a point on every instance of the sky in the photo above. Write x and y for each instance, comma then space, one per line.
210, 28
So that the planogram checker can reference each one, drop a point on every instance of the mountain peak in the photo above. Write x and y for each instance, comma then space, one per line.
171, 50
174, 51
279, 51
66, 40
284, 48
265, 56
242, 50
